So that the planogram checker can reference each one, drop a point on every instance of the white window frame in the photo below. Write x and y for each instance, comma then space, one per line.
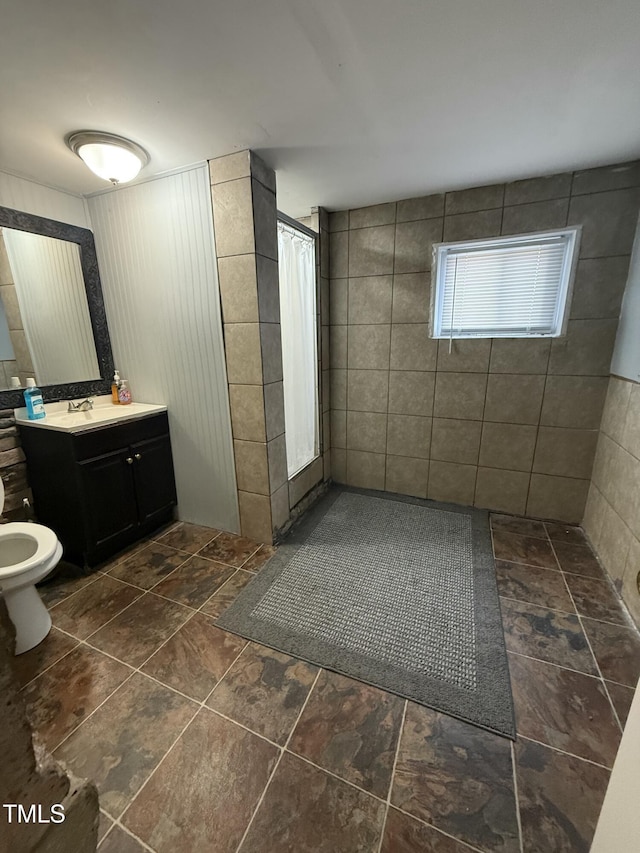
442, 251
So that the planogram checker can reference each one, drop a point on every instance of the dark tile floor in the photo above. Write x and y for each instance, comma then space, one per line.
201, 741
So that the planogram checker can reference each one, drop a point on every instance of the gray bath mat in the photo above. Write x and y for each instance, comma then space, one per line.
396, 592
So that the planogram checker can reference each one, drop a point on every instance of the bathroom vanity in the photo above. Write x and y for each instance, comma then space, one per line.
101, 479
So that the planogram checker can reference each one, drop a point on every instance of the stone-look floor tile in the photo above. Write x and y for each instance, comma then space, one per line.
91, 607
66, 580
308, 811
521, 526
188, 537
577, 560
404, 834
123, 741
149, 565
457, 777
119, 841
596, 599
567, 710
264, 690
54, 646
104, 826
205, 791
255, 563
140, 630
194, 581
195, 658
352, 730
546, 635
229, 549
543, 587
565, 533
60, 698
227, 593
617, 650
622, 697
560, 799
523, 549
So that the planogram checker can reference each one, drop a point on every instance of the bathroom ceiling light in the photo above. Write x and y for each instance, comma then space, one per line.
111, 157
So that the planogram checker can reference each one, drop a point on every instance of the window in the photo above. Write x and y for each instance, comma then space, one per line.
507, 287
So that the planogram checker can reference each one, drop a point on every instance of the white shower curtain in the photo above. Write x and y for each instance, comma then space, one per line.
296, 261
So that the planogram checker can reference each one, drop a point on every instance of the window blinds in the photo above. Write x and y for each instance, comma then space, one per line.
507, 287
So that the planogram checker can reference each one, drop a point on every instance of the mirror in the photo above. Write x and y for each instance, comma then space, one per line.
52, 319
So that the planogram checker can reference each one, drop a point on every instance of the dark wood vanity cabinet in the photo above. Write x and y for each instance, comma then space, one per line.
102, 489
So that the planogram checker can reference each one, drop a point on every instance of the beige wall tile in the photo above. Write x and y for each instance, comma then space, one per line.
407, 476
501, 490
560, 498
585, 350
338, 354
472, 226
476, 198
244, 360
325, 390
608, 221
339, 255
9, 296
630, 593
247, 412
514, 399
594, 515
460, 395
274, 409
233, 217
625, 497
339, 301
412, 348
277, 458
538, 189
605, 178
366, 431
414, 244
408, 435
263, 173
338, 389
325, 438
631, 432
252, 469
255, 516
371, 250
375, 214
338, 428
280, 506
411, 298
519, 356
464, 356
566, 452
508, 446
614, 543
6, 275
451, 482
326, 464
367, 390
230, 167
339, 221
271, 352
574, 401
365, 470
456, 440
268, 289
411, 392
368, 347
325, 301
423, 207
370, 299
614, 416
265, 220
238, 288
537, 216
21, 350
339, 465
599, 287
306, 480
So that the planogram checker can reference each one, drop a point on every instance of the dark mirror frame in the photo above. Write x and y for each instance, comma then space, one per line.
21, 221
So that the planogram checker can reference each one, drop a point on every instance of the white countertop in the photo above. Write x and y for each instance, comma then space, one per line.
104, 412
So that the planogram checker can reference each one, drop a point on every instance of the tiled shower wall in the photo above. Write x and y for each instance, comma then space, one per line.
510, 425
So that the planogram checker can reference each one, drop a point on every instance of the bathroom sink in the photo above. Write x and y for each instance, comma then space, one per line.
58, 418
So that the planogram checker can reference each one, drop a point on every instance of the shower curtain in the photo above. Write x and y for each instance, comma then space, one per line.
296, 261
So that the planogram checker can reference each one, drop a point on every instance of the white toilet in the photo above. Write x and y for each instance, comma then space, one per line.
28, 552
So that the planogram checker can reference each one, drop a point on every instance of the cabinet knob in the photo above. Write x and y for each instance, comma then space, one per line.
129, 460
137, 456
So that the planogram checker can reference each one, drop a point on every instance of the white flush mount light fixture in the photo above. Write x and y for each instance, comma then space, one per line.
111, 157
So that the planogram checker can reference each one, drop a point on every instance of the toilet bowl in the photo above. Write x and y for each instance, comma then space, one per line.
28, 553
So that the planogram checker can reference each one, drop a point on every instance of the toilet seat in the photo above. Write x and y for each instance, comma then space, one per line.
40, 546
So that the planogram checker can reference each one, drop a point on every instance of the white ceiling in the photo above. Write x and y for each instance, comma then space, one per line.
351, 101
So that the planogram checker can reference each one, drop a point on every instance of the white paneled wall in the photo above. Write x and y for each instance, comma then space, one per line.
157, 263
53, 305
22, 194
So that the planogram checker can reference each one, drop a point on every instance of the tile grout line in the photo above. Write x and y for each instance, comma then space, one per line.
392, 777
516, 795
564, 752
557, 665
437, 829
277, 764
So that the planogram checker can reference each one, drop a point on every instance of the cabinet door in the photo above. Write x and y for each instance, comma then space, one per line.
109, 496
153, 471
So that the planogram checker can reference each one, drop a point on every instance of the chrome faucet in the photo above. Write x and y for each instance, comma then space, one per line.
84, 406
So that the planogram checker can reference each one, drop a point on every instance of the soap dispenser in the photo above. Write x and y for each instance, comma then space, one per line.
33, 401
115, 388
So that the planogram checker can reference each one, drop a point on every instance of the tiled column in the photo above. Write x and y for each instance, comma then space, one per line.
245, 224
